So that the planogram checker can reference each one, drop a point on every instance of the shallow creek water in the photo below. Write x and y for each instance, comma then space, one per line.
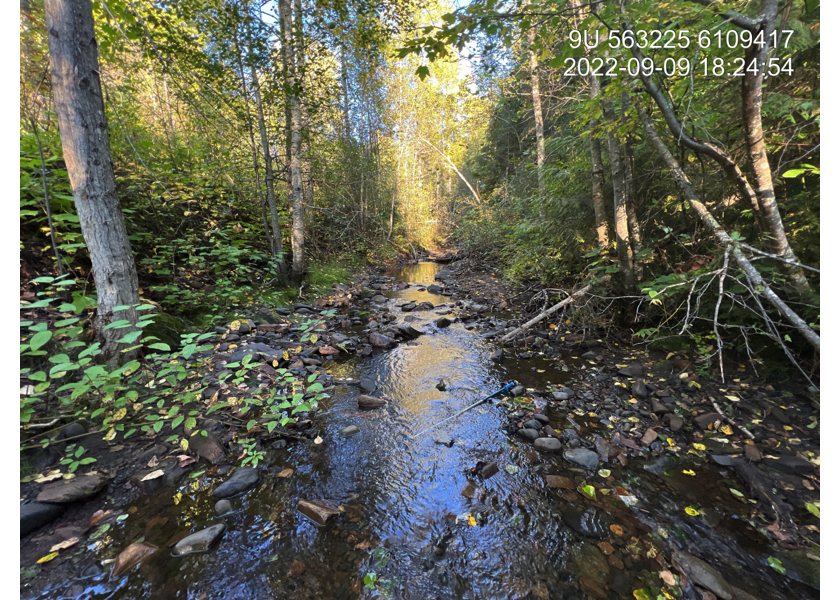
404, 516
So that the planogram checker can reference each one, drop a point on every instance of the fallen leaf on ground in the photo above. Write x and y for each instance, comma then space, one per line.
65, 544
285, 473
153, 475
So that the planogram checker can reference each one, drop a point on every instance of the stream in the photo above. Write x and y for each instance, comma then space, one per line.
414, 515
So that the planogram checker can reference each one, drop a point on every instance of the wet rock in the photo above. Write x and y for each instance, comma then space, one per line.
590, 587
658, 408
242, 479
409, 331
35, 515
379, 299
489, 470
547, 444
349, 431
434, 289
753, 454
69, 490
317, 511
469, 490
634, 370
73, 430
366, 401
533, 424
560, 396
208, 447
296, 569
703, 574
408, 307
558, 481
443, 274
424, 306
367, 385
223, 507
704, 421
675, 424
517, 390
583, 457
498, 356
255, 349
541, 418
441, 385
131, 556
443, 322
198, 542
377, 340
589, 523
639, 389
658, 466
649, 437
792, 465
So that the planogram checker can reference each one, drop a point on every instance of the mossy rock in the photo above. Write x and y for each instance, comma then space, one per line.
167, 329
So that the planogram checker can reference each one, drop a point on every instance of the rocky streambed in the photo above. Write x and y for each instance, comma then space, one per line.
606, 473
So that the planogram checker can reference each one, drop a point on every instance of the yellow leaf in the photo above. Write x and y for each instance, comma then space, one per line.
285, 355
47, 558
313, 338
112, 433
733, 398
472, 521
692, 511
552, 326
786, 428
700, 447
120, 414
726, 429
185, 445
689, 472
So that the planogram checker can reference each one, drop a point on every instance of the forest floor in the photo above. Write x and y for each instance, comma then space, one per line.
743, 447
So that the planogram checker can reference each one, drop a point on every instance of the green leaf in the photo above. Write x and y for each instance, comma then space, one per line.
39, 339
178, 420
158, 426
422, 72
813, 508
130, 338
776, 564
160, 346
370, 581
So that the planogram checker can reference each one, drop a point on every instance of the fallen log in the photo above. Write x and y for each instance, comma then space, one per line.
574, 296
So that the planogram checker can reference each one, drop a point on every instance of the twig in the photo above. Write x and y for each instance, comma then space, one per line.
717, 312
731, 422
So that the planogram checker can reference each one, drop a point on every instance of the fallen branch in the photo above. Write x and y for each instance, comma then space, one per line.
574, 296
731, 422
753, 276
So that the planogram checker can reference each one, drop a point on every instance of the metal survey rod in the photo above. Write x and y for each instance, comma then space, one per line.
506, 388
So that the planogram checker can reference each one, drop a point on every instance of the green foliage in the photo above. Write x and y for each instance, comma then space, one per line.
159, 393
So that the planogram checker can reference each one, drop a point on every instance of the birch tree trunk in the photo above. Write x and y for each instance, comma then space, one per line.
758, 283
751, 99
77, 95
293, 85
618, 176
602, 228
539, 130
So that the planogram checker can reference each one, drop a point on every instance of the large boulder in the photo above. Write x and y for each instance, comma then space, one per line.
242, 479
35, 515
70, 490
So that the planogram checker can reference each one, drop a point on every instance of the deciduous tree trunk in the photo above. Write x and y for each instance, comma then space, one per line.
618, 177
293, 88
77, 95
601, 223
751, 100
539, 130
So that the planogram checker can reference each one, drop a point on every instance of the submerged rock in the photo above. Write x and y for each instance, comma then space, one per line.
242, 479
589, 523
366, 401
223, 507
349, 430
200, 541
317, 511
547, 444
35, 515
703, 574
